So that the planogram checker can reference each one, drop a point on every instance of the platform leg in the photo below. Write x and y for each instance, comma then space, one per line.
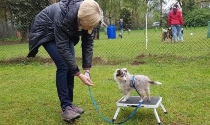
162, 106
116, 113
156, 115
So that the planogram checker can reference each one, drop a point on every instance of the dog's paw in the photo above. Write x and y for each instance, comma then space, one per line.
148, 100
141, 100
124, 100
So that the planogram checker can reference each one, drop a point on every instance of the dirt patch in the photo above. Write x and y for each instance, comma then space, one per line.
11, 43
99, 60
26, 60
139, 60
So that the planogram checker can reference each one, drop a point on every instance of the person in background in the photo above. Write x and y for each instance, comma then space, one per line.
121, 28
175, 21
58, 28
97, 31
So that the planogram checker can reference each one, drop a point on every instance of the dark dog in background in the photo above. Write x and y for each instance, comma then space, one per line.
170, 34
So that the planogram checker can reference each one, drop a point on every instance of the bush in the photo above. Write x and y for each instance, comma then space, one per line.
197, 17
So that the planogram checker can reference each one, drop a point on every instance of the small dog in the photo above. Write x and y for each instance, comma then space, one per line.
164, 34
170, 34
167, 34
182, 30
140, 82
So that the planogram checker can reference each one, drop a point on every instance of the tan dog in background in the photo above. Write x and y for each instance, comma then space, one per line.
167, 34
164, 35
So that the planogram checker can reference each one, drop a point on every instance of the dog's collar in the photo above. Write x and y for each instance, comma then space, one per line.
132, 82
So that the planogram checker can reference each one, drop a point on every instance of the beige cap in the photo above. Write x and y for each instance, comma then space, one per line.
89, 12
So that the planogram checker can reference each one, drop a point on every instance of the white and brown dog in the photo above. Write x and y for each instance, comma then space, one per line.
128, 82
167, 34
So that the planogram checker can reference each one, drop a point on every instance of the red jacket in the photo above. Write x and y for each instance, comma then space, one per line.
175, 19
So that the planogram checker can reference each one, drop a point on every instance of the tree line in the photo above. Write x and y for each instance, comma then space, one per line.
20, 13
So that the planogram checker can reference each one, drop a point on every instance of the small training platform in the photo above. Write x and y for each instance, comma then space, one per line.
133, 101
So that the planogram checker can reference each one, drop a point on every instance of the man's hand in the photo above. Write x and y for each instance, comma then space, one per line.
86, 79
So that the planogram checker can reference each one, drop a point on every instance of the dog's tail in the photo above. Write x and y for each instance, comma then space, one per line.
155, 82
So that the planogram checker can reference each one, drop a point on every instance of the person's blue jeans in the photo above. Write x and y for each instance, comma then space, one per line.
121, 32
64, 79
176, 29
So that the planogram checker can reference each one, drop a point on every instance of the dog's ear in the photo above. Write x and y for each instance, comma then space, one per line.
118, 72
125, 69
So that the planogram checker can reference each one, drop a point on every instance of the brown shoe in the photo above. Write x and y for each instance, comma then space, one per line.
68, 114
77, 109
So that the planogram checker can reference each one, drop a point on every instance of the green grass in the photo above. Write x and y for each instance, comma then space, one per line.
28, 93
131, 46
11, 39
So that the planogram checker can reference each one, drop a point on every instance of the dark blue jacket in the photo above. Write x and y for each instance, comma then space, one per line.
121, 25
58, 22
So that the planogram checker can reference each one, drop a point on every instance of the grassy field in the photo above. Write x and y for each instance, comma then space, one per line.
132, 45
28, 93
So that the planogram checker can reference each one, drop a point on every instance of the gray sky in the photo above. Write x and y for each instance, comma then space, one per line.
169, 3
